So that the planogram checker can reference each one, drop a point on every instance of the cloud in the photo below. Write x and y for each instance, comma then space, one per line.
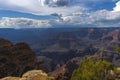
47, 7
117, 7
41, 7
100, 18
54, 3
68, 12
105, 18
7, 22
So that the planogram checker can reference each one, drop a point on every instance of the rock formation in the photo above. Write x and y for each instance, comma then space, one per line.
31, 75
15, 59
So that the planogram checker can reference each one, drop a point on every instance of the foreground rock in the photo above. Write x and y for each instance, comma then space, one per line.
35, 75
31, 75
15, 59
11, 78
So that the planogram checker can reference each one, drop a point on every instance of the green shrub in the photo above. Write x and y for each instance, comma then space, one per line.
91, 69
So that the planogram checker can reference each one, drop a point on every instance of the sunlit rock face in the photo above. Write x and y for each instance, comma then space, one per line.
31, 75
54, 3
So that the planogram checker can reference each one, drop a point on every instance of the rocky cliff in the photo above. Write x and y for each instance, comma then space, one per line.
15, 59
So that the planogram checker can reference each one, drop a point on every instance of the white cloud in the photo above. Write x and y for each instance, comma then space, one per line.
117, 7
105, 18
100, 18
40, 7
7, 22
46, 7
72, 14
104, 15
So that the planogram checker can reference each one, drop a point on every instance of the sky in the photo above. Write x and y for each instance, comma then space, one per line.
59, 13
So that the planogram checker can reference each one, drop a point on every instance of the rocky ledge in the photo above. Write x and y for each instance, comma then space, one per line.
31, 75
